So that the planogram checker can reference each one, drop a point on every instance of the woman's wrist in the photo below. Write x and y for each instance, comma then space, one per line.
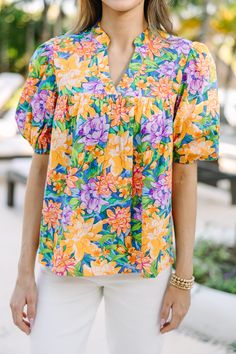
184, 274
25, 272
182, 282
26, 267
184, 271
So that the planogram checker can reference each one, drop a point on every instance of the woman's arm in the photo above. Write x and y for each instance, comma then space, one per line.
184, 200
25, 287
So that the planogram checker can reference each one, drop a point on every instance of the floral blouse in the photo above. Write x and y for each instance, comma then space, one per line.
107, 201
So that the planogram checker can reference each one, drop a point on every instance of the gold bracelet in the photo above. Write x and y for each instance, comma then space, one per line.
181, 283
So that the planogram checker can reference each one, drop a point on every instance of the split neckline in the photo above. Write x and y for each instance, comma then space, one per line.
141, 46
104, 39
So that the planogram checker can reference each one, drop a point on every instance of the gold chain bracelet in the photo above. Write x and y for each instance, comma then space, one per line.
182, 283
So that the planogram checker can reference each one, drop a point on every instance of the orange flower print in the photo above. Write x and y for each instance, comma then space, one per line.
101, 267
119, 219
71, 180
143, 263
62, 143
44, 138
213, 103
61, 113
87, 49
119, 112
162, 87
202, 66
124, 186
201, 147
51, 213
29, 90
56, 180
106, 184
62, 263
137, 183
156, 47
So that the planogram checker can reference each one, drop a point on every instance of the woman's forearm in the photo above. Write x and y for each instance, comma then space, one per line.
184, 201
32, 214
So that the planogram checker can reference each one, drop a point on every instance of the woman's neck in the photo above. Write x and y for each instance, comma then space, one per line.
123, 26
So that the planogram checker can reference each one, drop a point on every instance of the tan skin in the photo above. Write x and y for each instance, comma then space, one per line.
116, 20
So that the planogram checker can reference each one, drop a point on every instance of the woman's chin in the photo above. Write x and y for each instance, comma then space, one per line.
122, 5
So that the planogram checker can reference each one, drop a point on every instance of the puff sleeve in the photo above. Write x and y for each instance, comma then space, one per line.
197, 111
35, 108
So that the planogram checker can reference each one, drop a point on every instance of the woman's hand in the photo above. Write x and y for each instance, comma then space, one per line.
178, 300
25, 293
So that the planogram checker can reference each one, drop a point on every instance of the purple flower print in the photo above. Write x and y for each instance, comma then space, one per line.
38, 104
47, 51
90, 198
160, 192
195, 80
161, 197
130, 92
196, 85
93, 86
66, 215
94, 131
88, 37
157, 128
191, 69
20, 119
137, 213
168, 68
143, 49
162, 183
182, 47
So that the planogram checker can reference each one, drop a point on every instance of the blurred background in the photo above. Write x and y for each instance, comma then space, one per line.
210, 325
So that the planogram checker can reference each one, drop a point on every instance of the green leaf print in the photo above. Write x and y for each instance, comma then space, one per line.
151, 64
146, 201
74, 202
134, 66
106, 238
136, 225
148, 181
136, 127
77, 269
45, 251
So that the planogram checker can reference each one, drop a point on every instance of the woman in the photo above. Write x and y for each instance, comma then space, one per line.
118, 112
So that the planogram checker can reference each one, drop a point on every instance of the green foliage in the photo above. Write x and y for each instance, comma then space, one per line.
215, 265
14, 24
232, 347
224, 20
21, 33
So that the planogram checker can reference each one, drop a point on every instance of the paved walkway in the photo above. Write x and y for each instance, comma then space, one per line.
213, 316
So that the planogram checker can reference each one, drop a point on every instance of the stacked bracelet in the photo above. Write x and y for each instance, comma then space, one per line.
181, 282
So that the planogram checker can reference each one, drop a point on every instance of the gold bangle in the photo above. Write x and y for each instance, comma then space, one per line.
181, 283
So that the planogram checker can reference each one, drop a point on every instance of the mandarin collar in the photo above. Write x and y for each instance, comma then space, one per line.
103, 38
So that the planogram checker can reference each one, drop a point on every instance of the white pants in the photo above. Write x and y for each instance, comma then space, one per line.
66, 308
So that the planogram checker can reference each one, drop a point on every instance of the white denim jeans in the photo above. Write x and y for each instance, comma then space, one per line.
66, 309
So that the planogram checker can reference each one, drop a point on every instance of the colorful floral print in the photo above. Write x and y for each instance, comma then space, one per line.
107, 200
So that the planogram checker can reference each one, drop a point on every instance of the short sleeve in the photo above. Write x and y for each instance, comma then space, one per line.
35, 108
197, 110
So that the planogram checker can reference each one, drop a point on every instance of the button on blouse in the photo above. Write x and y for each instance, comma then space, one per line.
107, 200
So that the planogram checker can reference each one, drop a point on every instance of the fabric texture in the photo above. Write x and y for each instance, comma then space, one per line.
67, 306
107, 200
